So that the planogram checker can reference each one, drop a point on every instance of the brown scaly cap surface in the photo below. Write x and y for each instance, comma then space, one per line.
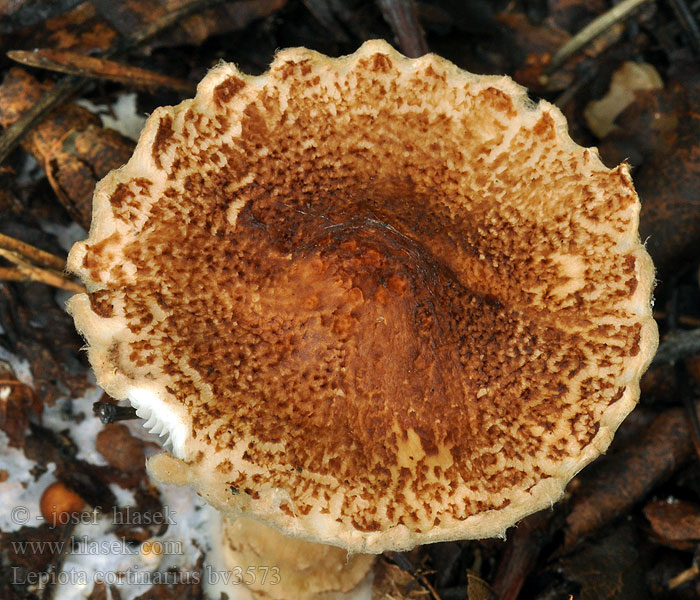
374, 301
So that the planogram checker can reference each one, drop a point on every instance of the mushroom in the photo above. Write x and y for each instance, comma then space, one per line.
372, 301
630, 78
280, 567
59, 504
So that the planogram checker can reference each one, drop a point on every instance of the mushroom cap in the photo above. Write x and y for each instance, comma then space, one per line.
372, 301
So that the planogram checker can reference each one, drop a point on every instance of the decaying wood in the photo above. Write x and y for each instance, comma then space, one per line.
525, 542
615, 483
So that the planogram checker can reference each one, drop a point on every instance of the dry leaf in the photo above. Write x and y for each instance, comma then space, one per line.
675, 523
393, 583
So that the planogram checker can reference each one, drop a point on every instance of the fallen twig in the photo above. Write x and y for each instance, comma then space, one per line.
59, 93
34, 254
402, 15
525, 542
570, 93
688, 22
33, 264
56, 565
405, 564
591, 31
689, 393
74, 63
684, 320
677, 346
684, 577
30, 273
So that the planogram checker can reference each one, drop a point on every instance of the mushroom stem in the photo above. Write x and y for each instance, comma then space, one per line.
252, 560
